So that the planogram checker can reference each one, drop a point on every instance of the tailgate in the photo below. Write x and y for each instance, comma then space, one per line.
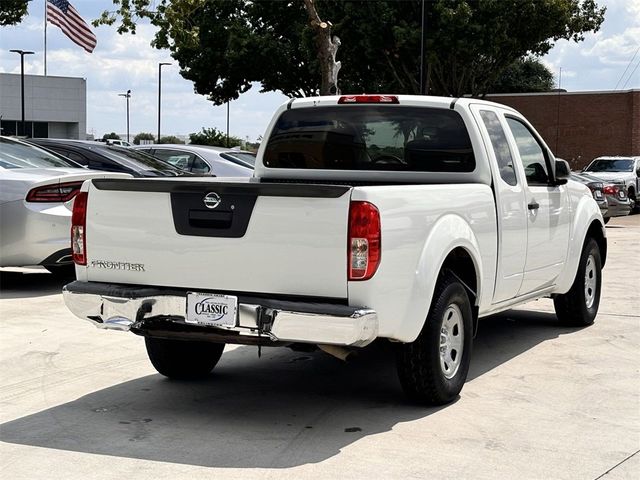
238, 237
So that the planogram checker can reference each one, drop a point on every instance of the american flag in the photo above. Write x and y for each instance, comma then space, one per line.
62, 14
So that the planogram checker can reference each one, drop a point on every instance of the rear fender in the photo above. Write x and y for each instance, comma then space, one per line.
448, 233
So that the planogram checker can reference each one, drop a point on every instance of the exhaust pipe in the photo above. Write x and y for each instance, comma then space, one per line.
340, 353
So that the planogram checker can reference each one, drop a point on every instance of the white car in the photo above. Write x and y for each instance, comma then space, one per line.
37, 189
204, 159
624, 170
400, 218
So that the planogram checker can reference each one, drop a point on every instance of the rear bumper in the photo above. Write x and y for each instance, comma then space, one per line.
161, 312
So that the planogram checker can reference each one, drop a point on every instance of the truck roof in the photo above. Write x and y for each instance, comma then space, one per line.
480, 174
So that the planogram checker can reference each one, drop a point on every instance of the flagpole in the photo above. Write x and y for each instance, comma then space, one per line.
45, 38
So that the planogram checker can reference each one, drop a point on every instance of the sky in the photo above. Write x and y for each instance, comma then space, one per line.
603, 61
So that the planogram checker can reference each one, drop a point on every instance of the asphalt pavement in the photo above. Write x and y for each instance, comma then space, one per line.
542, 401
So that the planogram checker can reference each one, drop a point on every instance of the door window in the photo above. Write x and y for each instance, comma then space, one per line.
500, 147
199, 166
177, 158
531, 153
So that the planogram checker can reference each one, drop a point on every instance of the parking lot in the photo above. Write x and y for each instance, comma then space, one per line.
541, 401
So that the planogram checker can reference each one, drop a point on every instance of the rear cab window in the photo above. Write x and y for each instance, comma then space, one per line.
370, 138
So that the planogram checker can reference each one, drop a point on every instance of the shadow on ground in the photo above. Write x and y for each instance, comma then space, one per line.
284, 409
30, 284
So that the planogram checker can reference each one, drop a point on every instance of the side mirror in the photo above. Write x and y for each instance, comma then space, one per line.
563, 172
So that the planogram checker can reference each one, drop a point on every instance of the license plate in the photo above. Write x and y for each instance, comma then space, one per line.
211, 309
598, 194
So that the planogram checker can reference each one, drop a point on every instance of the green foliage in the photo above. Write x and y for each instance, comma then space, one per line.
171, 139
213, 136
224, 46
12, 12
143, 136
524, 75
111, 136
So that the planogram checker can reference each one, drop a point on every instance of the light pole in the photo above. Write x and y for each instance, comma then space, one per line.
160, 95
127, 96
22, 53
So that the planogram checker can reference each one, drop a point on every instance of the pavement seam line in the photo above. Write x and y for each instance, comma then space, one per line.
617, 465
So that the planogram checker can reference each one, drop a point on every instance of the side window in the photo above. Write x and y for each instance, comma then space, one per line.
500, 147
178, 159
531, 153
76, 157
199, 166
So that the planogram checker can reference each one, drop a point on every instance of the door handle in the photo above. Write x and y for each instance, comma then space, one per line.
533, 206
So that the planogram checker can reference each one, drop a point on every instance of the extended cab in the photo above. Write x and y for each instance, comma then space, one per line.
369, 217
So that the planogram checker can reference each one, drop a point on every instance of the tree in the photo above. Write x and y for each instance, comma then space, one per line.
111, 136
214, 137
170, 139
143, 136
224, 46
12, 12
524, 75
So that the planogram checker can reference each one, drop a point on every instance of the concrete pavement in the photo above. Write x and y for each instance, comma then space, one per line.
542, 401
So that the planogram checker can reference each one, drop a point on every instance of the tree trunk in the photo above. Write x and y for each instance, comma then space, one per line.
327, 49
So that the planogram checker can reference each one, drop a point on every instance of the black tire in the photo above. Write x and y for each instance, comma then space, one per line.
579, 306
422, 377
633, 199
183, 360
62, 271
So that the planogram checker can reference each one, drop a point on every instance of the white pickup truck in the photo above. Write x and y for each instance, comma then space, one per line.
369, 217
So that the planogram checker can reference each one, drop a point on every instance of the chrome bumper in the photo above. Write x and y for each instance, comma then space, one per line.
128, 308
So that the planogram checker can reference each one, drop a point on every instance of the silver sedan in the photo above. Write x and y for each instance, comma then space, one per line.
37, 190
203, 159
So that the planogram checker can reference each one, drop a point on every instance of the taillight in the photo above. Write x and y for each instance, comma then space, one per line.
364, 247
368, 99
62, 192
610, 190
78, 229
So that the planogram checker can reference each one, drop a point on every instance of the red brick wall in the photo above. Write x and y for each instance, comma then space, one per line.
581, 126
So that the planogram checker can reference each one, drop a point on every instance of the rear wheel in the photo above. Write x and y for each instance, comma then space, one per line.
433, 368
183, 359
579, 306
62, 271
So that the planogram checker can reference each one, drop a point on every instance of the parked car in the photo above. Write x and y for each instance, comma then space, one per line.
609, 195
37, 189
204, 160
110, 158
466, 216
623, 169
115, 141
618, 204
595, 185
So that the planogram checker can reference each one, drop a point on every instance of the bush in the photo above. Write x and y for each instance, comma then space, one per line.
143, 136
111, 136
214, 137
171, 139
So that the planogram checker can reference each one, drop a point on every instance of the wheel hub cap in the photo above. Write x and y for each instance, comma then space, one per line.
451, 341
590, 282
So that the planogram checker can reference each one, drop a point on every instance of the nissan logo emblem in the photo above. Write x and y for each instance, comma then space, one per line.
212, 200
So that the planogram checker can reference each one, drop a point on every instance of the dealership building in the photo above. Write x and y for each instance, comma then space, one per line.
55, 107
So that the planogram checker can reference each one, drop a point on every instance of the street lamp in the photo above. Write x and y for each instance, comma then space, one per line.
160, 94
22, 53
127, 96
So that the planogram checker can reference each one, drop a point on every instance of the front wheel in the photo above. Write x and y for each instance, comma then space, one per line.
433, 368
183, 360
579, 306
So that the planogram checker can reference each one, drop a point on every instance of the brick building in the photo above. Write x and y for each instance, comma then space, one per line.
579, 126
